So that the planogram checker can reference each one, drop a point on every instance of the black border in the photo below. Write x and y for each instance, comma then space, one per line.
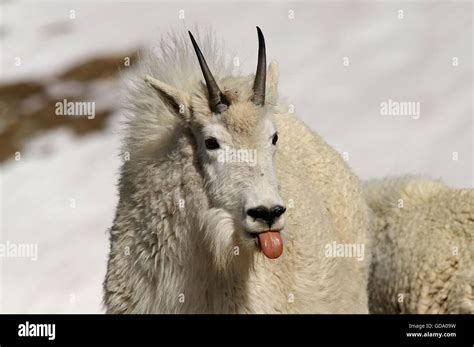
227, 329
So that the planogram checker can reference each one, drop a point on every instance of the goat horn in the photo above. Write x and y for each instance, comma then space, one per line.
217, 100
261, 74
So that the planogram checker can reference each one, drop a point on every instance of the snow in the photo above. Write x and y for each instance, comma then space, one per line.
61, 196
407, 59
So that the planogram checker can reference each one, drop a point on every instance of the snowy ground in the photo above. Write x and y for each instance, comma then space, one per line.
61, 195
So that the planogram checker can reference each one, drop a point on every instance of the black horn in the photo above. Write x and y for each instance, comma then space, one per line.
217, 100
261, 74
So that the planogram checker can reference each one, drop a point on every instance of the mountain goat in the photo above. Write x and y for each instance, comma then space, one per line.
423, 252
228, 203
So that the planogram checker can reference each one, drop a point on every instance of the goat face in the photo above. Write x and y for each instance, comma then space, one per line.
236, 140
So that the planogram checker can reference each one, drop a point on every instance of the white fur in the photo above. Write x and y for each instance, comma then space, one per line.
423, 247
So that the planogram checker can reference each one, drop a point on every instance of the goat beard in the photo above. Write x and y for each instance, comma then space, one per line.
223, 242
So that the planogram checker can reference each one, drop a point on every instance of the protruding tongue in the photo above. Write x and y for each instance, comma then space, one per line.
271, 244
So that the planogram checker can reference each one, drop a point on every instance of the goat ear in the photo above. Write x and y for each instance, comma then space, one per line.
178, 102
273, 76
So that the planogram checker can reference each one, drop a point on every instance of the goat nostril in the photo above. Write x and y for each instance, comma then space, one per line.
260, 212
265, 214
277, 211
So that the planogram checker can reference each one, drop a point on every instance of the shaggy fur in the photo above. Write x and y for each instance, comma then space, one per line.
423, 247
173, 251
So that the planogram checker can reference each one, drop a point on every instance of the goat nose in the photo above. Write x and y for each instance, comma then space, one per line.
268, 215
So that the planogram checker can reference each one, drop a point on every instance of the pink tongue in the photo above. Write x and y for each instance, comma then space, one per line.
271, 244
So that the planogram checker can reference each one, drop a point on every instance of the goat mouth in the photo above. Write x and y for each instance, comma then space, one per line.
270, 243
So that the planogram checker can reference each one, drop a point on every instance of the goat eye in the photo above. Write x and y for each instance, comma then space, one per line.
275, 139
211, 143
